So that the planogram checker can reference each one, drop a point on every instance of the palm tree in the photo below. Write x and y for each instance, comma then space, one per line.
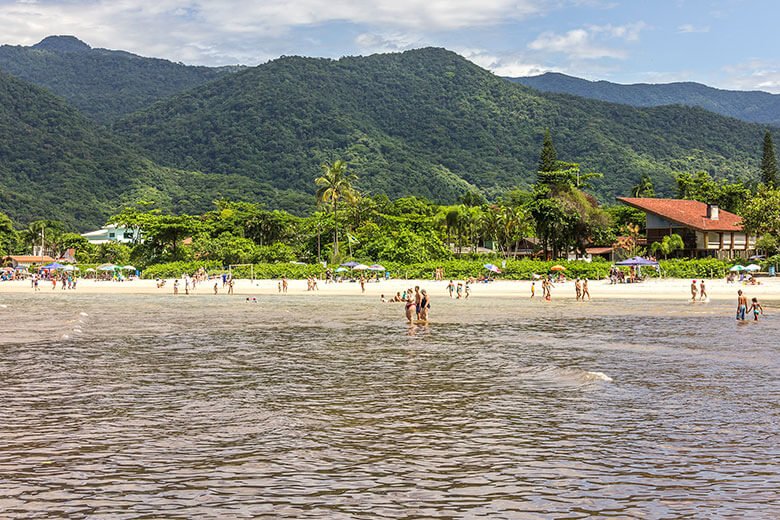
668, 245
335, 184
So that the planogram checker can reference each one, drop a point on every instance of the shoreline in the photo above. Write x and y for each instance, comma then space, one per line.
666, 289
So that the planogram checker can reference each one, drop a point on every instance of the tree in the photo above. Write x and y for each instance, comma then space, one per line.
769, 162
8, 235
761, 213
668, 245
645, 188
335, 184
702, 187
548, 159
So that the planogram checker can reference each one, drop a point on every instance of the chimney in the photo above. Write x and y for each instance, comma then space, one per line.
712, 211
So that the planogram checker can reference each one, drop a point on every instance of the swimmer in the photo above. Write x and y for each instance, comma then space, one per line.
741, 306
756, 308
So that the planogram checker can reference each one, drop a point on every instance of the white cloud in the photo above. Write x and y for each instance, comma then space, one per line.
590, 42
753, 74
393, 42
690, 29
231, 31
502, 65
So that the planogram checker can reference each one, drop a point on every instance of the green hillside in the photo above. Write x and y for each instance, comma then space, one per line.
754, 107
425, 122
103, 84
56, 164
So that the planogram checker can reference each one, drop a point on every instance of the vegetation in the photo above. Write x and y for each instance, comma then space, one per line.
102, 84
769, 162
426, 123
753, 106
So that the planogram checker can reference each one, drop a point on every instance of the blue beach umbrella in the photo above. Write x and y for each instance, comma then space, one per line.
350, 264
492, 267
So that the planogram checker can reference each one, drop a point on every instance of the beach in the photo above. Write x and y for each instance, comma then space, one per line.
655, 289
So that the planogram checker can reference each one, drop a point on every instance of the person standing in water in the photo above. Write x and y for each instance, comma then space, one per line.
409, 307
755, 308
741, 306
702, 291
425, 304
417, 301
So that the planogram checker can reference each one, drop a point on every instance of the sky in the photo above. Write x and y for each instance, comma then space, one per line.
724, 43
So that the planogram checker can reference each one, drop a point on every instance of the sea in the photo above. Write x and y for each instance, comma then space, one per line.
315, 406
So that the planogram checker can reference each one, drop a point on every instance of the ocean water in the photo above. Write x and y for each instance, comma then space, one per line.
311, 406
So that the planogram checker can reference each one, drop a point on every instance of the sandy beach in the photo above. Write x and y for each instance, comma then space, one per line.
666, 289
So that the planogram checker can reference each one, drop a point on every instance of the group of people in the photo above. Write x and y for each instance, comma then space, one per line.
742, 307
417, 303
462, 290
701, 291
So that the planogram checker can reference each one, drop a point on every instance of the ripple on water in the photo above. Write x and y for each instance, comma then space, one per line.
309, 408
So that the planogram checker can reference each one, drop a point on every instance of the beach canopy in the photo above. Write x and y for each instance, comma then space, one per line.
53, 265
493, 268
557, 268
637, 261
341, 269
128, 268
350, 264
90, 270
753, 267
70, 268
376, 267
737, 268
107, 267
360, 267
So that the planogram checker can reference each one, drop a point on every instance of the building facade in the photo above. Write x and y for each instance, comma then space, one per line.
706, 230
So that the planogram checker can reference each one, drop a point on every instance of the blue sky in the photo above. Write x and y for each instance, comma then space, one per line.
724, 43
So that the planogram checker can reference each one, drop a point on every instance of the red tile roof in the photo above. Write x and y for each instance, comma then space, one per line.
598, 250
26, 259
689, 213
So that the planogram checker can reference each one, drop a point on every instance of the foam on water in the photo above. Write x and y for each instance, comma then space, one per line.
600, 375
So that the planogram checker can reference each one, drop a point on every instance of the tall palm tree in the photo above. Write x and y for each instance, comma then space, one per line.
335, 185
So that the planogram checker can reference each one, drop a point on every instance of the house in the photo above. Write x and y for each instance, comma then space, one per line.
706, 230
25, 261
112, 233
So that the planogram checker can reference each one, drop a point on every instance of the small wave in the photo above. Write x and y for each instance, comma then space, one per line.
83, 314
599, 375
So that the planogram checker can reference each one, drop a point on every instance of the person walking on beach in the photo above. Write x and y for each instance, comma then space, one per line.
284, 284
451, 288
459, 291
362, 284
741, 306
175, 287
578, 289
702, 291
230, 286
467, 290
533, 290
694, 291
755, 308
216, 287
585, 291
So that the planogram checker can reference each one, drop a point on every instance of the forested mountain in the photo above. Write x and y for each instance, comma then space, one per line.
425, 122
754, 106
103, 84
57, 164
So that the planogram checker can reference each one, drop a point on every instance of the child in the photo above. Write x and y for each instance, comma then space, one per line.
533, 289
756, 308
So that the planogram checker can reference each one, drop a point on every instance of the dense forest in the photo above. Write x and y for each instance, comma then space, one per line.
426, 122
753, 106
103, 84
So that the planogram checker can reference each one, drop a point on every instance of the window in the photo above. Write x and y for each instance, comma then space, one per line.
111, 235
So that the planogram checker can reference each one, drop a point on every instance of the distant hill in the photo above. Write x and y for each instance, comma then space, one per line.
753, 106
425, 122
57, 164
103, 84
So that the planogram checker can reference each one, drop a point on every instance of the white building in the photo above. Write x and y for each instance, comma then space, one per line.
112, 233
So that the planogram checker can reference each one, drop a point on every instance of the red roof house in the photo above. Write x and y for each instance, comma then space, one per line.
706, 229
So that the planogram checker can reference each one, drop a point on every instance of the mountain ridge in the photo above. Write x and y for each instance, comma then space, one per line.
754, 106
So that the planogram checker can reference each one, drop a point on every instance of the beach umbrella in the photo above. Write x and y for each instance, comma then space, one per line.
737, 268
69, 268
376, 267
637, 261
341, 269
107, 267
360, 267
53, 265
350, 264
757, 257
127, 268
753, 267
492, 267
90, 270
557, 268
